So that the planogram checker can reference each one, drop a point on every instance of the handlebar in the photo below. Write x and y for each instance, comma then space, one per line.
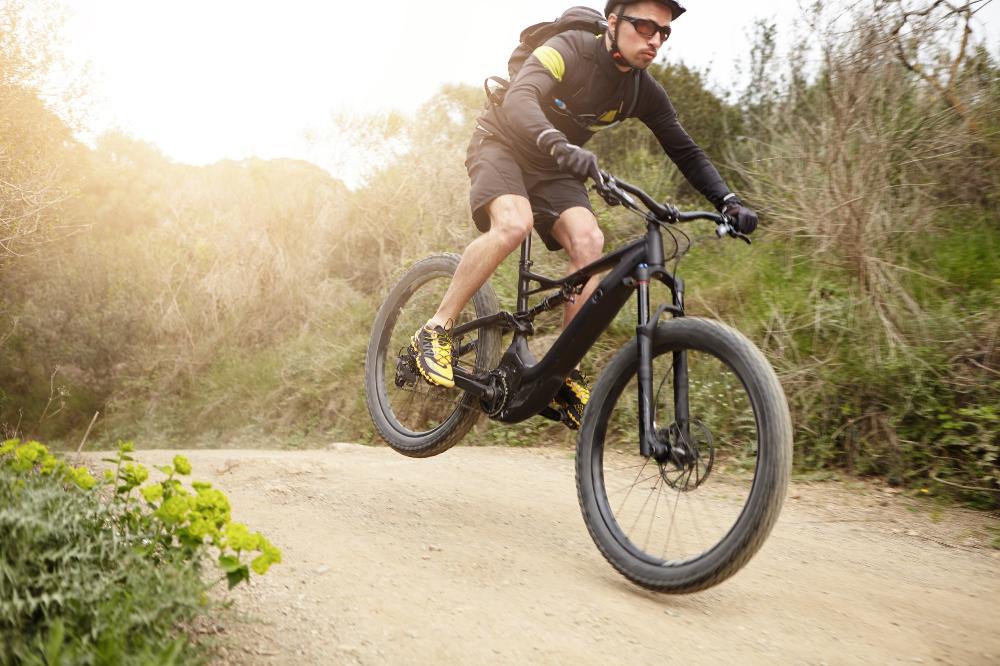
617, 192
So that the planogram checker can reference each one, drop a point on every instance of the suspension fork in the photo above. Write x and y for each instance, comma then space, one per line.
649, 443
644, 336
682, 406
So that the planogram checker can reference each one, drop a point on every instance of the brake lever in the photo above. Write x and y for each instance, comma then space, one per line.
606, 194
614, 195
726, 229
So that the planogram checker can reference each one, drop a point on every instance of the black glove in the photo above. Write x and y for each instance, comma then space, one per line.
744, 219
576, 161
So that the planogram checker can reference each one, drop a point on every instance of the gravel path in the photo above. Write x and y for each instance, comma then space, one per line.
480, 556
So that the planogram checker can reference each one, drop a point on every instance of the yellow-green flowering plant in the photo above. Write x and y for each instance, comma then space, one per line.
163, 519
34, 456
188, 521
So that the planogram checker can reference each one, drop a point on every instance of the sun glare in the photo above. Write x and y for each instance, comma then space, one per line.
212, 80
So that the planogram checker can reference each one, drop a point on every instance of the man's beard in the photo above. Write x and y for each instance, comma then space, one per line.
639, 66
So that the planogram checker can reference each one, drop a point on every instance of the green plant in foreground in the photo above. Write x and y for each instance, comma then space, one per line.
171, 519
110, 573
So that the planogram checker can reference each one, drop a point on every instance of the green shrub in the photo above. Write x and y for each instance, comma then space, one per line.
110, 573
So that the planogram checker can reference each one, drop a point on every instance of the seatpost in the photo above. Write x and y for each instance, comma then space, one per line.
524, 267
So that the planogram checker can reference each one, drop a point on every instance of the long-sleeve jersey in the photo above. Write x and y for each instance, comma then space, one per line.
571, 84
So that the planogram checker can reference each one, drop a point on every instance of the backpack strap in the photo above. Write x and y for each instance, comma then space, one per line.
497, 91
635, 95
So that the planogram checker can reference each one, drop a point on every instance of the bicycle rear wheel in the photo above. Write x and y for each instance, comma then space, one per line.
683, 527
415, 418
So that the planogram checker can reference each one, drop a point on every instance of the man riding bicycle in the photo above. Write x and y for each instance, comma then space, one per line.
528, 170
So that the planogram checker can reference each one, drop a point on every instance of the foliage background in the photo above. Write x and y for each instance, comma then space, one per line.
229, 304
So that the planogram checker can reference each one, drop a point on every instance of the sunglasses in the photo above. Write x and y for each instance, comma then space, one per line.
648, 28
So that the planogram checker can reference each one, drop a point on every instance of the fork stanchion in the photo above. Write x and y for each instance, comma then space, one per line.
644, 339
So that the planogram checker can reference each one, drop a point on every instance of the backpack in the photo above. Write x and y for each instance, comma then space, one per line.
574, 18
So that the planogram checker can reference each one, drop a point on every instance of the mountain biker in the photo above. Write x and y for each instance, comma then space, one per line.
528, 170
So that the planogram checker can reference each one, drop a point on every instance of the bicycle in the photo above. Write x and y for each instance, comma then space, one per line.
723, 415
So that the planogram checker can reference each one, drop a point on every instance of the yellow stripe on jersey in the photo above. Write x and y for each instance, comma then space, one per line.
609, 116
552, 60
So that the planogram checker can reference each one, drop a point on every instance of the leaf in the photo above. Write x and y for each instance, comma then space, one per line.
54, 642
238, 576
173, 653
229, 563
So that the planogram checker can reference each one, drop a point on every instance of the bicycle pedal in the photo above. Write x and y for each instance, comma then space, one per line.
552, 414
559, 415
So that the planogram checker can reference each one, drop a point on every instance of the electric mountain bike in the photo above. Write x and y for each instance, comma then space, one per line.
684, 452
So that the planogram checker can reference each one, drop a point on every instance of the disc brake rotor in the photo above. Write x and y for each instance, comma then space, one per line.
692, 457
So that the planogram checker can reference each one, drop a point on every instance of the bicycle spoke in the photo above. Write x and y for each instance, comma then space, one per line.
630, 487
639, 514
652, 517
670, 528
635, 483
627, 467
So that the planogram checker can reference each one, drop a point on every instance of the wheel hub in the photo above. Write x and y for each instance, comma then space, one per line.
685, 460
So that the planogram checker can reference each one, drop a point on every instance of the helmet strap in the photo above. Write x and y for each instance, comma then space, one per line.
616, 53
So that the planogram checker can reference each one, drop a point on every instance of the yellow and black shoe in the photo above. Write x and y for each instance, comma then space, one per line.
432, 348
571, 400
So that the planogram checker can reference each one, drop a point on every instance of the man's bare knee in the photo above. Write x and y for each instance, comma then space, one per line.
510, 220
579, 233
588, 245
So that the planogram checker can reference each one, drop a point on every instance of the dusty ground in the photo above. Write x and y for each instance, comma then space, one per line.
480, 556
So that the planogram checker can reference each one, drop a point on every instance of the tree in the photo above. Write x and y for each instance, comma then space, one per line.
934, 40
36, 147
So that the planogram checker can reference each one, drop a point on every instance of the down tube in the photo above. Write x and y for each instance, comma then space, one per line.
541, 381
591, 321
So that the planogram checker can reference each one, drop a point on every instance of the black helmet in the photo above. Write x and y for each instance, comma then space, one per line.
676, 8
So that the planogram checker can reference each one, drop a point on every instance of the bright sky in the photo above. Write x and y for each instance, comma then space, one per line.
213, 79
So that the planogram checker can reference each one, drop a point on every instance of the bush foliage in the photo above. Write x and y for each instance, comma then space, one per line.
110, 572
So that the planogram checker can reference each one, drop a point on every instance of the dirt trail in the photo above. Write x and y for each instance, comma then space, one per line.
480, 556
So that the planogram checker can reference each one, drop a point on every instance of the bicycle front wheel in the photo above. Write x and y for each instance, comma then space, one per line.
415, 418
683, 526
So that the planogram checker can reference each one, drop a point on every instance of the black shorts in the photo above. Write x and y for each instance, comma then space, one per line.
494, 171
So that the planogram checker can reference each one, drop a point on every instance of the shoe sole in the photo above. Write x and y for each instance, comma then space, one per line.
430, 376
435, 380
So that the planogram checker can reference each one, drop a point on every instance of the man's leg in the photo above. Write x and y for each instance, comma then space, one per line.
578, 232
510, 222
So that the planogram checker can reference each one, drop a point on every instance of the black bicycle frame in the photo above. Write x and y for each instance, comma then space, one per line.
529, 386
